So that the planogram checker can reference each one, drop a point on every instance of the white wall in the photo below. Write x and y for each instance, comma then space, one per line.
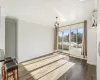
33, 40
91, 43
98, 40
2, 31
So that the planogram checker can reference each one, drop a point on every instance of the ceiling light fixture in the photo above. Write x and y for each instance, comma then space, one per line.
56, 23
94, 18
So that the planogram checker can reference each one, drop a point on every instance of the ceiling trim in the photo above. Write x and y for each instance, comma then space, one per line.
72, 24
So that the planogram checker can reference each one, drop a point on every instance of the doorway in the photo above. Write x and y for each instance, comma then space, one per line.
11, 37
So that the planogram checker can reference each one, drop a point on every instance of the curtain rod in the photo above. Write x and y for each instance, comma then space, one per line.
71, 24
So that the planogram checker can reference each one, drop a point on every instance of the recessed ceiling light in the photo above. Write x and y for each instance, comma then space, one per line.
81, 0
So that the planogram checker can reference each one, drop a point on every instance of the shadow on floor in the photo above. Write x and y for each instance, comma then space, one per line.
81, 71
24, 74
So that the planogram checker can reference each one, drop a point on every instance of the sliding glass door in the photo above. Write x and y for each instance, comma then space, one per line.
70, 41
65, 43
63, 40
79, 38
76, 42
60, 37
73, 40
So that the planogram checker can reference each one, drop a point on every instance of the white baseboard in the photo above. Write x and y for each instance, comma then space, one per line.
91, 63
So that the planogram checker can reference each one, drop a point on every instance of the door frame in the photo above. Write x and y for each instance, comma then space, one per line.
13, 20
71, 50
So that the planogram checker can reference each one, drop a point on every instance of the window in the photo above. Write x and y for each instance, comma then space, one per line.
70, 38
73, 38
60, 40
79, 37
65, 43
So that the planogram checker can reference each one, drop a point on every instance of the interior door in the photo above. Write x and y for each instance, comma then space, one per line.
10, 38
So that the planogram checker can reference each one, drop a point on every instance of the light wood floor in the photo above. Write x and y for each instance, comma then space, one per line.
45, 68
56, 67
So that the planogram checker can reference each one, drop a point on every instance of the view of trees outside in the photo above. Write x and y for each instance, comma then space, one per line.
60, 36
79, 37
76, 37
75, 40
66, 40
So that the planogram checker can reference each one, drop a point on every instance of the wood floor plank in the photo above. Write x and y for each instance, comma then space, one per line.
81, 71
33, 61
38, 59
27, 69
21, 65
43, 71
43, 62
58, 72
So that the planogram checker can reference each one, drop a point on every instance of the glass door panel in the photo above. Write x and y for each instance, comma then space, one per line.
70, 41
79, 37
60, 36
73, 39
65, 42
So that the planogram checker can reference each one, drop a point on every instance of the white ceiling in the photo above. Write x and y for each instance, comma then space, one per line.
43, 12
